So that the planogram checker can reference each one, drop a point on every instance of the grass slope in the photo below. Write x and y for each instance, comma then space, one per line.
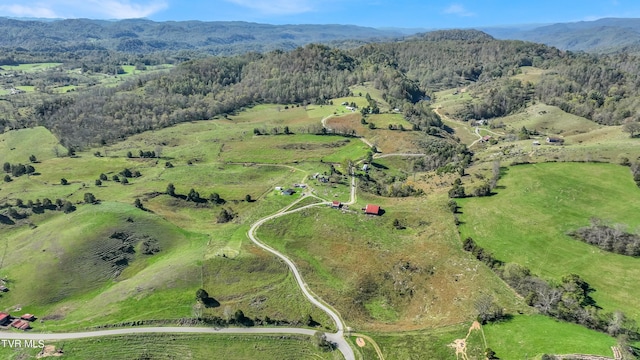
187, 347
523, 337
16, 146
358, 263
527, 222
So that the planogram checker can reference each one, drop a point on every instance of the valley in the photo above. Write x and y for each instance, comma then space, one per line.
209, 208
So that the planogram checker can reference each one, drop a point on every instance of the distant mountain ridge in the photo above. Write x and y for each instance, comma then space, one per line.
144, 36
607, 35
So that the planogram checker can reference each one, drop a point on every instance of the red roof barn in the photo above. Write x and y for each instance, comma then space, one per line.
28, 317
4, 318
336, 204
372, 209
21, 324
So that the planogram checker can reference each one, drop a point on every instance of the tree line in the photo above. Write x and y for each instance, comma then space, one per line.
614, 238
568, 300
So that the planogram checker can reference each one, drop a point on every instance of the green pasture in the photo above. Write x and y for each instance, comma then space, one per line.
526, 222
29, 68
293, 148
17, 145
338, 251
530, 337
183, 346
531, 74
548, 120
522, 337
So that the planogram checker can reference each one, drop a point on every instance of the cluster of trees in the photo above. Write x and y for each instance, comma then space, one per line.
609, 238
379, 183
457, 190
502, 98
568, 300
440, 153
37, 206
635, 171
194, 196
144, 154
276, 130
16, 170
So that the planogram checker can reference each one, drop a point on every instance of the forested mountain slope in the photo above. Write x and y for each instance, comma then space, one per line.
608, 35
600, 88
145, 36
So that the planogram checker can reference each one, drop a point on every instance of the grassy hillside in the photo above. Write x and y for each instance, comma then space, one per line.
381, 278
523, 337
16, 146
526, 222
180, 346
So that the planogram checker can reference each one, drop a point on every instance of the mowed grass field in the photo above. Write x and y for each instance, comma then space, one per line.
385, 140
181, 346
523, 337
527, 222
30, 67
16, 146
549, 120
340, 254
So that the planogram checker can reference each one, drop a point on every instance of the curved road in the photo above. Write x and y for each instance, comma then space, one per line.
337, 337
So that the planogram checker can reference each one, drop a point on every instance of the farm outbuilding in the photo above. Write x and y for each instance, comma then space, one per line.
4, 318
371, 209
336, 204
21, 324
28, 317
554, 140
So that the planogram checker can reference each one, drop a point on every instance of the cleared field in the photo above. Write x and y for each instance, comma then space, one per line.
293, 148
536, 205
529, 337
549, 120
329, 245
187, 347
385, 140
30, 67
530, 73
523, 337
16, 146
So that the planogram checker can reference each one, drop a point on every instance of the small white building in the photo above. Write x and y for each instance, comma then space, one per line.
279, 188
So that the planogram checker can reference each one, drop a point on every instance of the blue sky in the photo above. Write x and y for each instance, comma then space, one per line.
375, 13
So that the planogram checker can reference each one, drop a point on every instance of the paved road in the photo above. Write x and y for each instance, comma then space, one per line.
152, 330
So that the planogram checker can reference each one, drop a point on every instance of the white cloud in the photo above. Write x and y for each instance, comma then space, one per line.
457, 9
124, 9
276, 7
101, 9
35, 10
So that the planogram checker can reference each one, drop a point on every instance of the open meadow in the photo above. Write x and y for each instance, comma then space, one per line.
527, 222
